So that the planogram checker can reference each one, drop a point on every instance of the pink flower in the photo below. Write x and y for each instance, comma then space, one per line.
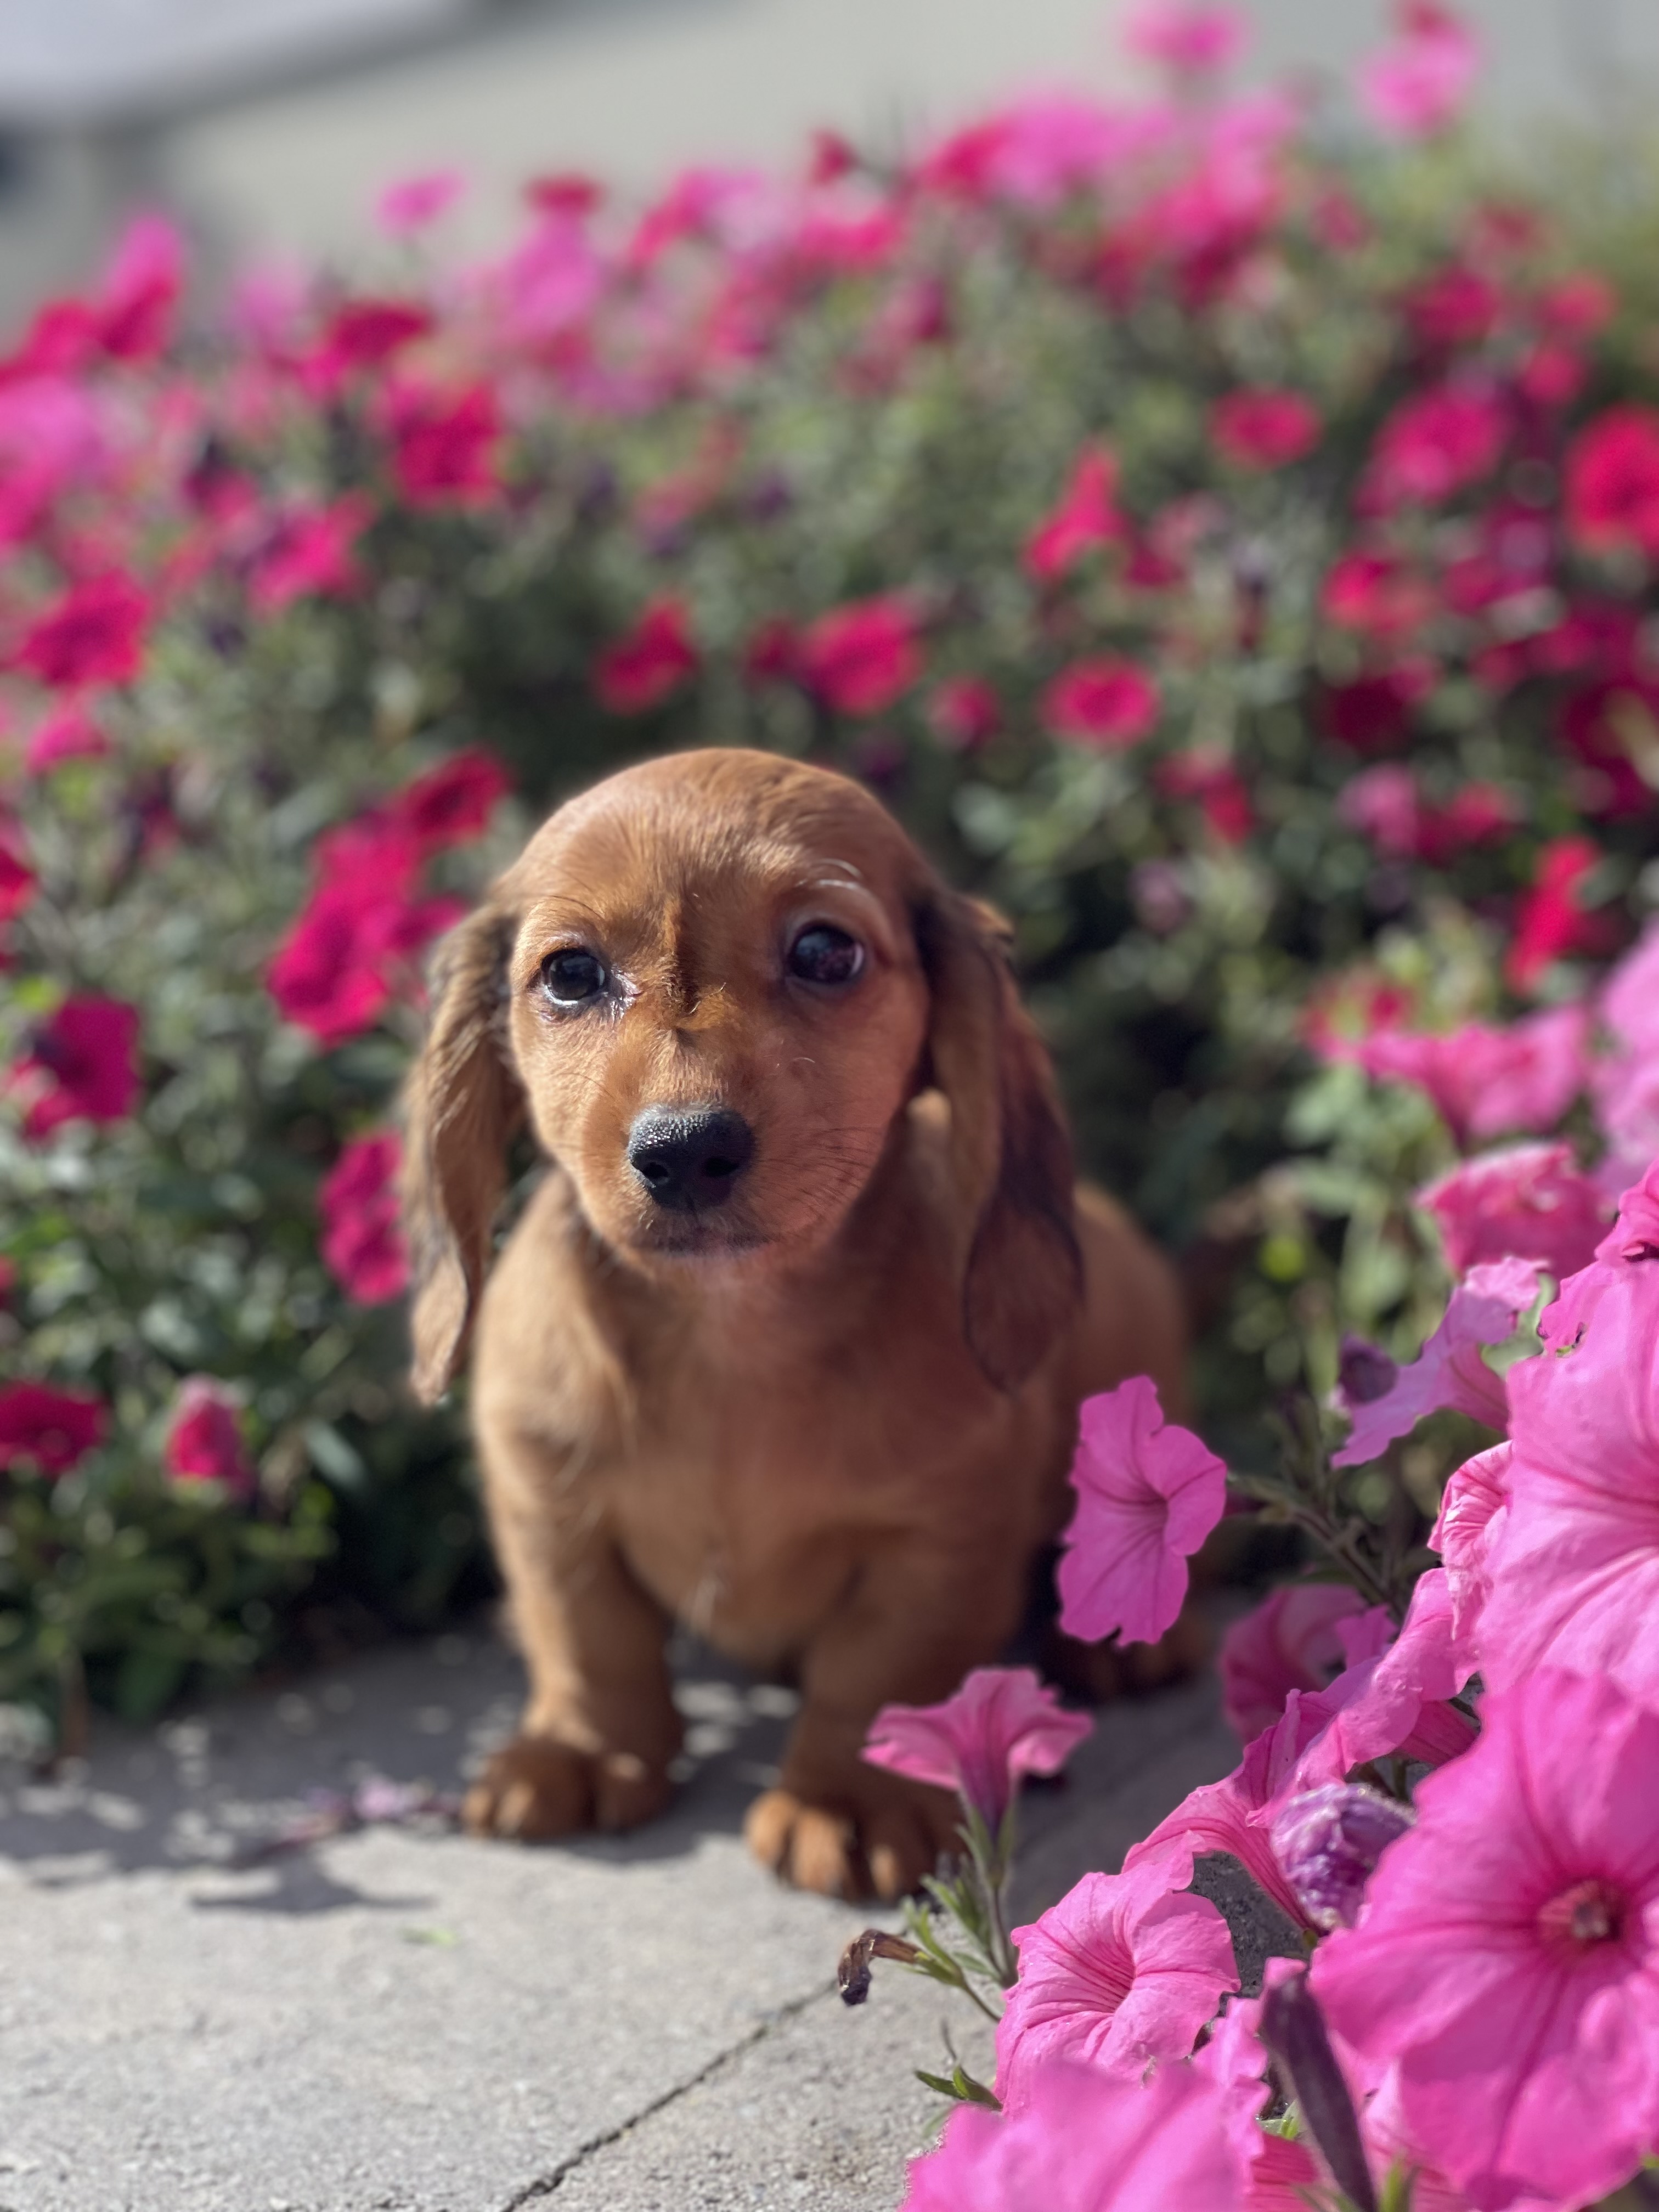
1612, 491
650, 663
93, 635
860, 658
1086, 517
205, 1441
1394, 1697
446, 445
1574, 1568
1508, 1960
334, 972
1470, 1507
1423, 81
1148, 1493
1635, 1235
139, 289
17, 878
965, 712
1486, 1307
366, 334
1087, 2141
363, 1244
310, 555
1001, 1725
1208, 775
414, 202
452, 803
1435, 443
66, 733
1328, 1841
1102, 701
1282, 2174
1289, 1642
82, 1064
1527, 1202
1121, 1974
1484, 1081
1381, 803
48, 1430
1189, 41
1551, 922
1264, 429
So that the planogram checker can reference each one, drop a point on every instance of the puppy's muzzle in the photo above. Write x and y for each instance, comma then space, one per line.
690, 1158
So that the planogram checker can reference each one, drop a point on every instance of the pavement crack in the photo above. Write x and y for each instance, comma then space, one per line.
545, 2184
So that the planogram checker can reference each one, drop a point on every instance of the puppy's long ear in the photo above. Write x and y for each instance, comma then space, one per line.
1009, 1151
461, 1107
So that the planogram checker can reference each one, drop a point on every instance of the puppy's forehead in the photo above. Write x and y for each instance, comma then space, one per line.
695, 821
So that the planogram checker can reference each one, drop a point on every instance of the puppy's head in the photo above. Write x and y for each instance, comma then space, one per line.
712, 985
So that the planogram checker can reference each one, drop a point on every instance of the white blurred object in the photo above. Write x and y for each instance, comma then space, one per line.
79, 62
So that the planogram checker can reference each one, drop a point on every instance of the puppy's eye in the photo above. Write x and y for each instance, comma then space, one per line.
824, 954
573, 975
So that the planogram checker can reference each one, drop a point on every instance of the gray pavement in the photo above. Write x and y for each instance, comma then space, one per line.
407, 2020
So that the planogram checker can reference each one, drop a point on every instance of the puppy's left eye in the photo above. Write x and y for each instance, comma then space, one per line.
572, 975
824, 954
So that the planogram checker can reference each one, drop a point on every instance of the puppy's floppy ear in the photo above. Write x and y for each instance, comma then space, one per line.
461, 1107
1010, 1152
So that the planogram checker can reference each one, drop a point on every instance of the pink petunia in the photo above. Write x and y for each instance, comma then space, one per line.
1508, 1959
1191, 41
1001, 1725
18, 882
138, 291
1102, 701
413, 202
1422, 82
1435, 444
1086, 518
1551, 922
1472, 1506
66, 733
965, 712
1281, 2173
1148, 1493
1612, 488
1328, 1841
1485, 1081
1088, 2142
860, 659
446, 445
362, 1243
452, 803
1289, 1642
1264, 429
650, 662
310, 555
47, 1428
82, 1064
204, 1441
1485, 1309
1574, 1568
95, 634
1394, 1699
1525, 1201
1121, 1974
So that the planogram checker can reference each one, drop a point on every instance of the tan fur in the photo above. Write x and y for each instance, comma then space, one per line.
828, 1427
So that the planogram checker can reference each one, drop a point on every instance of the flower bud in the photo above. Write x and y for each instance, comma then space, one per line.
1328, 1840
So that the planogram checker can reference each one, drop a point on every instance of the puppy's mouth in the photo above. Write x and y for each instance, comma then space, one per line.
690, 1237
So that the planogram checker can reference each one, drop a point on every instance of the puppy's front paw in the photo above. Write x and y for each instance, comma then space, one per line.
536, 1789
866, 1843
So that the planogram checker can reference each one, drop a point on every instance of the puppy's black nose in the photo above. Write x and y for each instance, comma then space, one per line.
689, 1157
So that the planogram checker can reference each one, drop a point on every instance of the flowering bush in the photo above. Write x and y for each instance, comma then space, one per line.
1228, 545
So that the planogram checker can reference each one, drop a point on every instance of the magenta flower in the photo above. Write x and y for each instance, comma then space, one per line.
1289, 1642
1189, 40
1486, 1082
1148, 1493
1574, 1566
1526, 1202
1471, 1505
1087, 2141
1084, 519
1328, 1841
1508, 1958
1394, 1697
1103, 701
650, 663
860, 657
1421, 83
452, 803
204, 1441
1259, 428
1485, 1309
1001, 1725
446, 445
95, 634
310, 555
363, 1244
83, 1066
1122, 1974
47, 1428
1281, 2173
414, 202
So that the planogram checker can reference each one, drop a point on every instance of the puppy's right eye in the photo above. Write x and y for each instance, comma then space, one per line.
572, 976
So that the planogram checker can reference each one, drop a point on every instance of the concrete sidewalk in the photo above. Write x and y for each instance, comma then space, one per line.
400, 2021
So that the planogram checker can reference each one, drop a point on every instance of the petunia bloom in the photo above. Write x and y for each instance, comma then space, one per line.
1086, 518
1328, 1841
1122, 1974
1485, 1309
1289, 1642
1508, 1959
1525, 1201
1470, 1518
1087, 2141
446, 445
1422, 82
362, 1243
414, 202
1551, 921
47, 1428
1264, 429
1190, 41
648, 664
860, 657
1393, 1696
95, 634
1000, 1726
1148, 1493
1102, 702
1612, 490
204, 1441
452, 803
82, 1064
1485, 1081
310, 555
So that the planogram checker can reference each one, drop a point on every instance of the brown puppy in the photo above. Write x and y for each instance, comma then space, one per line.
790, 1339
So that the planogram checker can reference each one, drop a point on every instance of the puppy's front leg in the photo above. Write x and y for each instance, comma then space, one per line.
600, 1727
915, 1621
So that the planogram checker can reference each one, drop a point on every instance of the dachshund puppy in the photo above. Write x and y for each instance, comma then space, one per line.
789, 1342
